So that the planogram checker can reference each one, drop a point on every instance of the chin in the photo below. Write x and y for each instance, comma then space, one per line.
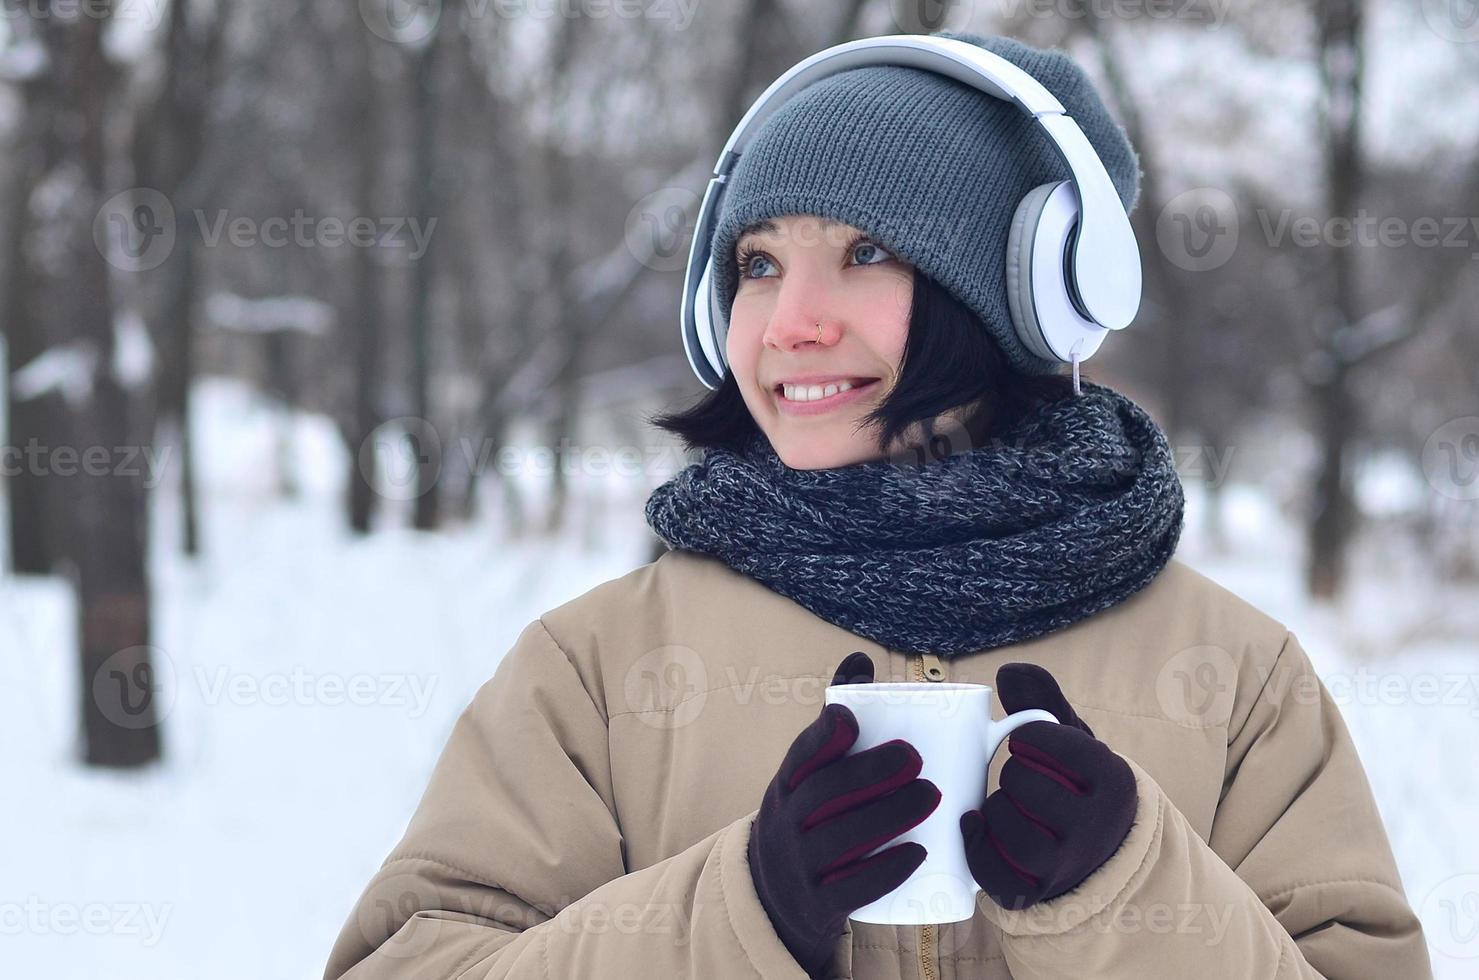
819, 455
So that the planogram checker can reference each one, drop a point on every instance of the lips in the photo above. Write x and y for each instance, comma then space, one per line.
825, 405
856, 382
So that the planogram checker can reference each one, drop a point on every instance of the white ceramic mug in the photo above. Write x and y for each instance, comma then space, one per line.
951, 727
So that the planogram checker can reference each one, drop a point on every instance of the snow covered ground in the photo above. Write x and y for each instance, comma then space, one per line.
314, 677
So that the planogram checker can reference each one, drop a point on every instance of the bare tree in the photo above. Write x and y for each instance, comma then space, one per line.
425, 192
352, 53
69, 303
169, 150
1352, 328
33, 543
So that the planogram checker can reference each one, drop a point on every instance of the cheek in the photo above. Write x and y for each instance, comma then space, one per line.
742, 342
881, 313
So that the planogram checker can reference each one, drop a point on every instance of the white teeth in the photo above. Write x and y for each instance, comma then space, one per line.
811, 393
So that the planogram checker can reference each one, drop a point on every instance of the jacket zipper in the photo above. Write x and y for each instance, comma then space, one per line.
927, 667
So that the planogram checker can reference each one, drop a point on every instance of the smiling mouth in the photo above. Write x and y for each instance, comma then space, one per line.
830, 393
852, 383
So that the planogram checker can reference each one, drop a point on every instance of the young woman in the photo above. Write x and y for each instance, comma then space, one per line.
895, 488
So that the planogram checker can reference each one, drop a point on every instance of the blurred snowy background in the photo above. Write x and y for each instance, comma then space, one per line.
393, 260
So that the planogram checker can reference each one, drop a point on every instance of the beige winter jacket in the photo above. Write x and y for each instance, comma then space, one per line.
590, 813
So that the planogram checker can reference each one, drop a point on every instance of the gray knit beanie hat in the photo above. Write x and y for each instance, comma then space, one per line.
931, 168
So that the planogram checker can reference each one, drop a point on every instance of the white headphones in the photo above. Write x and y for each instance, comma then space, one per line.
1073, 265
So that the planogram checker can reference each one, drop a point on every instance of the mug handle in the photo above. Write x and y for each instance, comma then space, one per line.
999, 730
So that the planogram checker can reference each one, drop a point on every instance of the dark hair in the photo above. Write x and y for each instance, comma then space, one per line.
949, 360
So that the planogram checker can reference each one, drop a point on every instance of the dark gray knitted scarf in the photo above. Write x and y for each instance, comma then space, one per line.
1072, 509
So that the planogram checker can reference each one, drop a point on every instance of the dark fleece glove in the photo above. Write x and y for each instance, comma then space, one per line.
822, 811
1064, 805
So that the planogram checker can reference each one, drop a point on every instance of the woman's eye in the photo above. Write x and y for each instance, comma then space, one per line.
865, 249
746, 260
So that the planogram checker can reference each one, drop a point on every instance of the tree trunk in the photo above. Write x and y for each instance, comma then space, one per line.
284, 384
168, 151
1333, 519
174, 381
105, 513
362, 321
425, 511
32, 548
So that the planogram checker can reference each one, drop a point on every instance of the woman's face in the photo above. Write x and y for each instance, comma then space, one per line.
794, 272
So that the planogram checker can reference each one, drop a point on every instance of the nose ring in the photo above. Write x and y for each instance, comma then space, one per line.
819, 331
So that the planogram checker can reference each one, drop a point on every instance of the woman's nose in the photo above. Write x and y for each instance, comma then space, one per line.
797, 320
796, 332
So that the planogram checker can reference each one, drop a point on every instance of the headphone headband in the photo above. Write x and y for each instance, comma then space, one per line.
1104, 261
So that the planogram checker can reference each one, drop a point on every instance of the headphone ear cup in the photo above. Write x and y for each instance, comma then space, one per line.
1021, 244
709, 323
721, 330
